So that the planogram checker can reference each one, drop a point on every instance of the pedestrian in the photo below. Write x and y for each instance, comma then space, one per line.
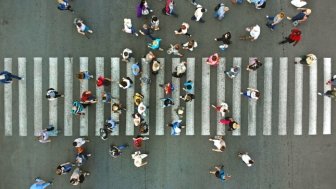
253, 65
170, 8
232, 72
251, 93
109, 126
298, 3
167, 102
219, 143
274, 20
7, 77
155, 44
246, 158
254, 33
180, 112
77, 108
259, 4
143, 128
168, 88
107, 97
52, 94
155, 22
176, 127
219, 173
78, 142
137, 141
187, 97
308, 59
142, 109
43, 136
81, 27
188, 86
330, 93
40, 184
78, 176
88, 98
190, 45
147, 31
301, 17
81, 158
128, 27
127, 54
64, 168
103, 81
137, 119
117, 107
226, 39
294, 36
199, 14
125, 83
143, 9
183, 30
180, 69
237, 1
64, 5
213, 60
136, 69
156, 65
174, 49
220, 11
138, 98
115, 151
149, 57
138, 159
222, 108
332, 81
84, 75
233, 125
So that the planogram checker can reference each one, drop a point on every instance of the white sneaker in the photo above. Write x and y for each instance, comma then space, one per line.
319, 94
22, 78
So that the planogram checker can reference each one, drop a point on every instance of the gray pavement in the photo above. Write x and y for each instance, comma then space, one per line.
37, 29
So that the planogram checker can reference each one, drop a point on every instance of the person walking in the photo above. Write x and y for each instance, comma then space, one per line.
226, 39
88, 98
298, 3
77, 108
254, 33
40, 184
274, 20
137, 119
115, 151
84, 75
143, 128
187, 97
125, 83
168, 88
107, 97
188, 86
155, 22
138, 98
176, 127
52, 94
219, 143
170, 8
294, 36
117, 108
156, 65
233, 125
43, 136
7, 77
127, 54
259, 4
147, 31
155, 44
183, 30
149, 57
78, 176
180, 69
82, 157
128, 27
232, 72
167, 102
251, 93
301, 17
308, 60
78, 142
332, 81
190, 45
174, 49
199, 14
103, 81
329, 93
64, 168
138, 159
142, 108
219, 173
222, 108
180, 112
213, 60
143, 9
220, 11
246, 158
64, 5
253, 65
137, 141
81, 27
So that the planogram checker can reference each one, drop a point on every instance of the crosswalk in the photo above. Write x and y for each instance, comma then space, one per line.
274, 104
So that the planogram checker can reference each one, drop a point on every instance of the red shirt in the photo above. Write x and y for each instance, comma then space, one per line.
100, 81
85, 96
295, 35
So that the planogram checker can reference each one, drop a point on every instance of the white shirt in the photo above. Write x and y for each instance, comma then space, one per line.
255, 32
198, 12
75, 175
80, 141
184, 31
219, 143
246, 158
142, 108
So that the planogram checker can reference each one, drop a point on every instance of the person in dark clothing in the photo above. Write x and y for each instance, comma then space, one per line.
7, 77
147, 31
226, 39
295, 36
254, 65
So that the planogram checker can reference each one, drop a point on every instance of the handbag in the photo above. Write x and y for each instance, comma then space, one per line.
145, 12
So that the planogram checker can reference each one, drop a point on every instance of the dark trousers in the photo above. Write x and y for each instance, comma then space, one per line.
201, 19
286, 40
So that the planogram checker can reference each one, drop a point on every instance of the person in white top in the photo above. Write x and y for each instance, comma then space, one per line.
298, 3
78, 176
52, 94
199, 14
222, 109
246, 159
128, 27
190, 45
142, 109
78, 142
219, 143
125, 83
138, 157
126, 55
183, 29
254, 32
45, 133
251, 93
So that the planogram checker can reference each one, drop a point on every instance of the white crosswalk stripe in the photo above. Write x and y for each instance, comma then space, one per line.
157, 113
